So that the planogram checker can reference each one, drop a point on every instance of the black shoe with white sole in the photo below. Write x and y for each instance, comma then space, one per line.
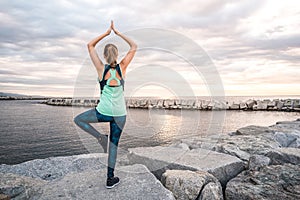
112, 182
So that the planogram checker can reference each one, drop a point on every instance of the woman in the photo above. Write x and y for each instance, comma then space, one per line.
111, 107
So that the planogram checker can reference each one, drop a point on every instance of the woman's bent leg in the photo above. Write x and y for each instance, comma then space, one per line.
84, 119
116, 128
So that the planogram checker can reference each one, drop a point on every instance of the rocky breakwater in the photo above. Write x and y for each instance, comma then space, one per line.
271, 157
190, 104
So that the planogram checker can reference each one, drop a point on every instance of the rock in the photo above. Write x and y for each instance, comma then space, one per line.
211, 191
286, 139
211, 105
233, 150
158, 159
253, 130
272, 104
190, 103
243, 143
159, 103
296, 103
57, 167
189, 185
168, 103
136, 182
19, 187
250, 103
284, 155
78, 177
219, 105
295, 143
243, 106
204, 104
262, 105
258, 161
288, 103
234, 106
271, 182
279, 105
4, 197
198, 104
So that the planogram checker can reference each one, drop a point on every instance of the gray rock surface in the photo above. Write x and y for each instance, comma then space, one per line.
274, 182
78, 177
286, 139
211, 191
57, 167
19, 187
136, 182
284, 155
189, 185
258, 161
253, 130
158, 159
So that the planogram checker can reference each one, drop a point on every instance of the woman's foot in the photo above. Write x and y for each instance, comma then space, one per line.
103, 140
112, 182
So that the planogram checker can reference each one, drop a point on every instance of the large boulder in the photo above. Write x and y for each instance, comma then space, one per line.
158, 159
57, 167
284, 155
253, 130
287, 139
136, 182
271, 182
78, 177
189, 185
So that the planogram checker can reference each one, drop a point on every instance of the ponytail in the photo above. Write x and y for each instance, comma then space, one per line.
111, 54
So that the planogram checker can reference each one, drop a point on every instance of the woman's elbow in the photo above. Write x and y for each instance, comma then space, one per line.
134, 46
90, 46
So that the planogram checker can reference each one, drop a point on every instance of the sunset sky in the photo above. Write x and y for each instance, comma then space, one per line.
253, 44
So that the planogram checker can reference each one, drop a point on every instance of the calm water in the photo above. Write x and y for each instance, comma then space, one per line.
31, 130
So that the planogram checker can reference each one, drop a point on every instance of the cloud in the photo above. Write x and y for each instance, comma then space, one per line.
44, 42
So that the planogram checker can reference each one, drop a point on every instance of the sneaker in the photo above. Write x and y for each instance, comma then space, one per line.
112, 182
103, 140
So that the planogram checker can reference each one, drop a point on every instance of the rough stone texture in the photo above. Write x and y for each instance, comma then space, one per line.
4, 197
78, 177
233, 150
136, 182
211, 191
19, 187
258, 161
284, 155
253, 130
286, 139
271, 182
56, 167
158, 159
188, 185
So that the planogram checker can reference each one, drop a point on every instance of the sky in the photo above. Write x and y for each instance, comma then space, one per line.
185, 47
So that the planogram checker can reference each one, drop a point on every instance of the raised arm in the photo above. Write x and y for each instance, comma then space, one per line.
93, 53
130, 54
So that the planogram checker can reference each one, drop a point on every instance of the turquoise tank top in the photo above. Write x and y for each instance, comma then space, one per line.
112, 101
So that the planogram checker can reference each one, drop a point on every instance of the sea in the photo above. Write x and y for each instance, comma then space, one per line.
31, 130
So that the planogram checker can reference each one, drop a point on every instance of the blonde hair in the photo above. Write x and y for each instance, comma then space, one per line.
111, 54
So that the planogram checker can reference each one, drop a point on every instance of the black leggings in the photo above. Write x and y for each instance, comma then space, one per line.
117, 124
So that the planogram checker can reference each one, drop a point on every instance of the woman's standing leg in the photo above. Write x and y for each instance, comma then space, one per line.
84, 119
116, 128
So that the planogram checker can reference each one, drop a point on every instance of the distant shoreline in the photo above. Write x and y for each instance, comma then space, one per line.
195, 103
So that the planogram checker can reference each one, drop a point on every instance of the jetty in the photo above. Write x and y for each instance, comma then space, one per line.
189, 104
